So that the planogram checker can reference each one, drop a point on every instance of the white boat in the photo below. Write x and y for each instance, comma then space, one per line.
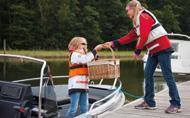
180, 59
21, 100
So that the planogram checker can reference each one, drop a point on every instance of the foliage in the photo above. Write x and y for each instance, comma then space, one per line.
50, 24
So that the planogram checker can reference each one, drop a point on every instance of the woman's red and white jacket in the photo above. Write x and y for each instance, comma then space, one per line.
148, 32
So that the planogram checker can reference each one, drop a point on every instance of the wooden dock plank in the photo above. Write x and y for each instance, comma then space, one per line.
162, 99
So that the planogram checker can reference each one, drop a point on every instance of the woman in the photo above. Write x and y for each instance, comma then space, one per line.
150, 33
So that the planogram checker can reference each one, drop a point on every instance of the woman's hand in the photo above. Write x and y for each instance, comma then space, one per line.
136, 54
108, 44
137, 57
99, 47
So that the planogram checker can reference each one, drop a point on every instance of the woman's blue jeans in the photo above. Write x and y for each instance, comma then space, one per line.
78, 98
164, 60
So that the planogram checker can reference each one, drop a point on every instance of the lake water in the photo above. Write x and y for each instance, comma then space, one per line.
131, 74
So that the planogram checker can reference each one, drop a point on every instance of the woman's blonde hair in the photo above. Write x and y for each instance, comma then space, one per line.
136, 5
76, 42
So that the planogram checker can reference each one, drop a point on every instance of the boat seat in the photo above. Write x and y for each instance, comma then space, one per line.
98, 93
60, 91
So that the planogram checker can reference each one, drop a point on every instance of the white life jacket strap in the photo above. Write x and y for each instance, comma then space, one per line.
157, 30
153, 47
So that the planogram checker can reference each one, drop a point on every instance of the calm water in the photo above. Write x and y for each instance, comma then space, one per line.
131, 74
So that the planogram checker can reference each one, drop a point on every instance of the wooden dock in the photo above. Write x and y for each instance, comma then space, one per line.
162, 100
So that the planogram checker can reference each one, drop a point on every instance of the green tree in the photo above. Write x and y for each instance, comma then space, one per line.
113, 20
167, 13
50, 24
19, 26
184, 17
79, 19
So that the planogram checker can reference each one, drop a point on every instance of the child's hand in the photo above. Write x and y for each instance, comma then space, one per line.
99, 47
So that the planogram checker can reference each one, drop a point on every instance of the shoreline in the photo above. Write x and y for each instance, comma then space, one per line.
63, 55
66, 57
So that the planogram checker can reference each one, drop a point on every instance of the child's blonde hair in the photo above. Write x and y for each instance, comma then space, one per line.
76, 42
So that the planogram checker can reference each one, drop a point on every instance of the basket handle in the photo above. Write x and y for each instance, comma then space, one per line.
113, 53
113, 57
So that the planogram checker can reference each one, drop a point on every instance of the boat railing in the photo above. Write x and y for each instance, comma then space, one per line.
37, 78
116, 91
175, 34
41, 75
41, 78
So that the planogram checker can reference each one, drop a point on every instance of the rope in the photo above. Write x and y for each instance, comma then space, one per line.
126, 93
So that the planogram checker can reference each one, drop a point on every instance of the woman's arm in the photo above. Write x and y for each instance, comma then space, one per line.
125, 39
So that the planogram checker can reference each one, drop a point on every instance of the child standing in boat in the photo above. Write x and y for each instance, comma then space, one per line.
78, 74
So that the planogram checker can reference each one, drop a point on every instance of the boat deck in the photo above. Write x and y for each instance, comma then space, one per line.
162, 98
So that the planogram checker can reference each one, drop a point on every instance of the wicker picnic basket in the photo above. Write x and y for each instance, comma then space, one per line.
104, 68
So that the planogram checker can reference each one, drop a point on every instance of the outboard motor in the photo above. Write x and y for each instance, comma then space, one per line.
15, 100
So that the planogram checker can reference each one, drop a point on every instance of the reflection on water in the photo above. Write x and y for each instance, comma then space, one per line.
15, 69
131, 74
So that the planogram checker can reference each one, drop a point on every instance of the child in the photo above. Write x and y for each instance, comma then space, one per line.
78, 74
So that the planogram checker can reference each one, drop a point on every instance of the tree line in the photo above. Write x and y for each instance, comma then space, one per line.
50, 24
